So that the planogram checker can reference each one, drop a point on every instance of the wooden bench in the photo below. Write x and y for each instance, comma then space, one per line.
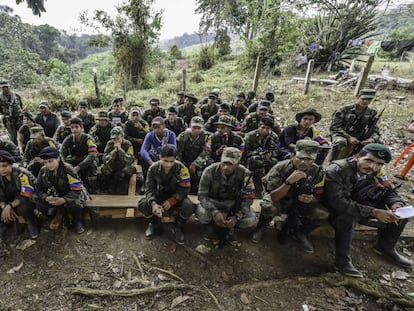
125, 206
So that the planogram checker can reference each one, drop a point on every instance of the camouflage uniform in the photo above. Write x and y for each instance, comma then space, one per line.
251, 123
7, 145
215, 142
178, 127
206, 111
65, 184
149, 114
239, 112
61, 133
82, 153
193, 151
32, 151
173, 187
118, 166
20, 187
118, 118
187, 112
11, 110
261, 153
218, 193
101, 135
211, 127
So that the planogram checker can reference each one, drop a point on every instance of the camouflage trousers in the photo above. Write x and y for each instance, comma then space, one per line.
340, 148
317, 212
185, 208
246, 217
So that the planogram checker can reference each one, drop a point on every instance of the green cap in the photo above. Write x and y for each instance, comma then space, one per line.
36, 131
102, 115
197, 121
231, 155
379, 151
116, 132
224, 120
367, 93
307, 148
83, 103
44, 103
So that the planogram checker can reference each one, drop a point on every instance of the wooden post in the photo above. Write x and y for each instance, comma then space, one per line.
184, 81
308, 76
352, 67
95, 81
363, 76
256, 74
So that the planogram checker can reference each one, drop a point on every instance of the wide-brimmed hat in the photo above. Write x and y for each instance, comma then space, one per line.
192, 96
102, 115
224, 120
310, 111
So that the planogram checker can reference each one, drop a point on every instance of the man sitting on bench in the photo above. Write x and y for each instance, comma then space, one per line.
167, 187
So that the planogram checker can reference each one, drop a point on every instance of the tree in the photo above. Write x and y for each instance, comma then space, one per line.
133, 32
175, 52
49, 38
37, 6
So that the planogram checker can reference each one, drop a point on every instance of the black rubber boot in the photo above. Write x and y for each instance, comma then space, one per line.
303, 240
154, 228
93, 184
211, 233
258, 233
178, 230
387, 240
34, 229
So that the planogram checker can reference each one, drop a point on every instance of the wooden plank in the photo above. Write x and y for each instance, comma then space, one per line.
308, 76
130, 212
364, 75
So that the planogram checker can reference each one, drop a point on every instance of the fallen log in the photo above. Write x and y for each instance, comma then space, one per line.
90, 292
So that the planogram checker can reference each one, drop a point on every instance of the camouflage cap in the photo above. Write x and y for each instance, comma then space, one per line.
367, 93
379, 151
4, 83
102, 115
116, 132
44, 104
36, 131
231, 155
197, 121
307, 148
83, 103
224, 120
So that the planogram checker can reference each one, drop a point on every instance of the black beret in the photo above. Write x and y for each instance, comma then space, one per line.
49, 153
379, 151
270, 96
268, 121
5, 156
225, 106
65, 114
77, 121
172, 109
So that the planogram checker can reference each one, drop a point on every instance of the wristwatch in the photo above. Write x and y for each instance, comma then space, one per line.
288, 183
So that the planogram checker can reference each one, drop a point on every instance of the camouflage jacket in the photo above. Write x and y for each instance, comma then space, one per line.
32, 150
211, 127
8, 145
119, 159
61, 133
290, 135
149, 114
192, 150
282, 170
20, 187
215, 186
342, 180
178, 127
207, 112
64, 184
174, 186
11, 106
101, 135
215, 141
239, 112
251, 123
187, 112
80, 153
346, 122
256, 146
88, 121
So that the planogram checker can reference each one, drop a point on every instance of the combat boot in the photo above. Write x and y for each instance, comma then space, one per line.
178, 230
258, 233
154, 228
387, 240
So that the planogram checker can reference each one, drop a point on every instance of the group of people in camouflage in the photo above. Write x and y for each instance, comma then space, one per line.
222, 152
